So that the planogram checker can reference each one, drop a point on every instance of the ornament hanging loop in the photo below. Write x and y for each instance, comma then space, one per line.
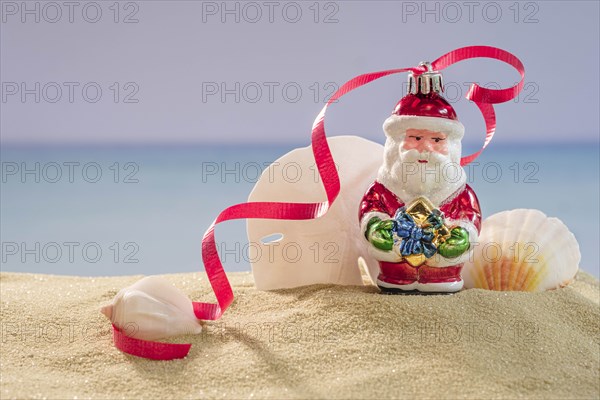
427, 65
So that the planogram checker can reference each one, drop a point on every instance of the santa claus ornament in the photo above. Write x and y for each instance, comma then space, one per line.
419, 227
420, 216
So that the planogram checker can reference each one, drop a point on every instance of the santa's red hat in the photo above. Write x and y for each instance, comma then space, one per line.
424, 108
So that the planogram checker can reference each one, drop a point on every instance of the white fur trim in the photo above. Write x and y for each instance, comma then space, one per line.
437, 198
379, 255
440, 262
448, 287
409, 287
396, 125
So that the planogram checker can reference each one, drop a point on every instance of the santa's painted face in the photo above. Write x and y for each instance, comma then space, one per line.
422, 162
424, 140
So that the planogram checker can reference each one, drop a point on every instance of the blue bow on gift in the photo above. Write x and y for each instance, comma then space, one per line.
415, 240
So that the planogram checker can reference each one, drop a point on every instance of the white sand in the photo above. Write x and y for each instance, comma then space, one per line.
312, 342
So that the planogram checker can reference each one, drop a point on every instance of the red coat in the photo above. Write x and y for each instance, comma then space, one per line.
461, 208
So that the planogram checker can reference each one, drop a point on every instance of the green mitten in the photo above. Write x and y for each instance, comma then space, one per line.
379, 233
456, 244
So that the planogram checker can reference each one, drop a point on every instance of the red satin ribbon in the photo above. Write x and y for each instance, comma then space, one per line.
482, 97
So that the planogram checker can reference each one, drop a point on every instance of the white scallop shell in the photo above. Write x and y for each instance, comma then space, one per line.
152, 308
322, 250
522, 250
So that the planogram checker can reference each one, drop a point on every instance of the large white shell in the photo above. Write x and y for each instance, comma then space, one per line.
323, 250
152, 309
522, 250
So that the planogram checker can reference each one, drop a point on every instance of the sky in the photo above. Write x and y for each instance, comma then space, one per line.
149, 72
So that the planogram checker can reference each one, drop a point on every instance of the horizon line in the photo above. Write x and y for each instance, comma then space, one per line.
9, 143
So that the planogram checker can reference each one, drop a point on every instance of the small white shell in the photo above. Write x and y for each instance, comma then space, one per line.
152, 309
522, 250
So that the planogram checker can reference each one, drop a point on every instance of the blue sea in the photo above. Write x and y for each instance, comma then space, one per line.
124, 210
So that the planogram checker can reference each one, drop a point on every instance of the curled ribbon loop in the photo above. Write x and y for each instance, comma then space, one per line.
483, 98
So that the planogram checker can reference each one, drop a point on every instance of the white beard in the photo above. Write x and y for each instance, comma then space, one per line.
439, 179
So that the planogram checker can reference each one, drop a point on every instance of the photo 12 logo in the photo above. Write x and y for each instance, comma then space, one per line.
271, 92
52, 12
253, 12
69, 92
276, 332
489, 172
251, 172
31, 330
70, 252
451, 332
68, 172
453, 12
271, 250
455, 92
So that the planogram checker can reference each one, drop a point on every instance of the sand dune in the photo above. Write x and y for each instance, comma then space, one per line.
318, 341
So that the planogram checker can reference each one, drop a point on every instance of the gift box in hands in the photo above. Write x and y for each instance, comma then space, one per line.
419, 231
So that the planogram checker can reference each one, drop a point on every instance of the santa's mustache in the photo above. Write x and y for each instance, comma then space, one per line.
414, 155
